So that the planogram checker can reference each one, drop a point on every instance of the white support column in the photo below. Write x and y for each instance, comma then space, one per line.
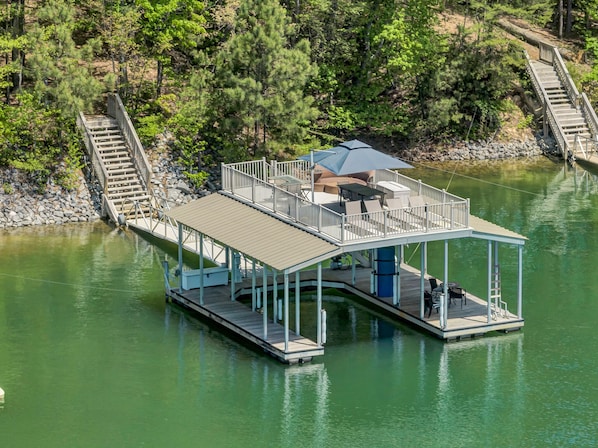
201, 287
319, 305
275, 316
265, 301
422, 279
353, 270
396, 291
372, 270
231, 269
446, 281
494, 273
180, 255
520, 282
489, 292
253, 285
286, 312
297, 302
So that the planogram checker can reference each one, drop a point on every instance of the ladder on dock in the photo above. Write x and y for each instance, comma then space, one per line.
499, 307
569, 115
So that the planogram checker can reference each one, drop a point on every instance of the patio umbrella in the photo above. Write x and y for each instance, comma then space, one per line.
354, 157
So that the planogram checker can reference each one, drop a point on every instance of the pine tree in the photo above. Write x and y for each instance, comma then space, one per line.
62, 72
12, 43
262, 80
170, 26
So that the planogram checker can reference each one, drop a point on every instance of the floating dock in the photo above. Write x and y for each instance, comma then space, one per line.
268, 243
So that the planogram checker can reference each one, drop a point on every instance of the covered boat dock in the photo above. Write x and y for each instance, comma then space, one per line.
278, 241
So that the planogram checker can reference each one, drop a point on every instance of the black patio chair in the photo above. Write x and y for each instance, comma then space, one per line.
430, 303
458, 294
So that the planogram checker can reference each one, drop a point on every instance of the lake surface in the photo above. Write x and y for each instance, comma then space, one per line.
91, 356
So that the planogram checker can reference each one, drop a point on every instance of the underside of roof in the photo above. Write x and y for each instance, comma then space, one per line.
486, 230
254, 233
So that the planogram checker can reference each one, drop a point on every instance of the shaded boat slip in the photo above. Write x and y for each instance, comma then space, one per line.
264, 226
469, 320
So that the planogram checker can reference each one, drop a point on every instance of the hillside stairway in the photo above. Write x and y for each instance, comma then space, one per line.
567, 114
124, 184
119, 162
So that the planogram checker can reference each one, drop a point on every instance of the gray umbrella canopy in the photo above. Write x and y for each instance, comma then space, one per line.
355, 157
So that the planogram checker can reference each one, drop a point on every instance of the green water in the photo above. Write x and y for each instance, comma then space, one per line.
91, 356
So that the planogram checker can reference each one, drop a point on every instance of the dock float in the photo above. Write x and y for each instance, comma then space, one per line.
247, 325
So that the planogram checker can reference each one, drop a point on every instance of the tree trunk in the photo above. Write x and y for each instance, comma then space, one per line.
560, 16
159, 79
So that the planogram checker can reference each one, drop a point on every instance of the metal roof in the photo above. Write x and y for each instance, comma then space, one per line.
486, 230
253, 233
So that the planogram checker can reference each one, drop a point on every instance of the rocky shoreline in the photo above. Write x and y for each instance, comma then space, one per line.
22, 203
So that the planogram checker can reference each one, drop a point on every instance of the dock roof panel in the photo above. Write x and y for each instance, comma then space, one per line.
488, 230
253, 233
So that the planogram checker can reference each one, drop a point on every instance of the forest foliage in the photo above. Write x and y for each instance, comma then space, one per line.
232, 79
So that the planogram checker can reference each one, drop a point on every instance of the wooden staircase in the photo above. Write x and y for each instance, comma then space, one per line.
566, 113
118, 162
125, 186
570, 117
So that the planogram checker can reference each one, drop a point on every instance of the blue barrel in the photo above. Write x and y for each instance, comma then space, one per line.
385, 271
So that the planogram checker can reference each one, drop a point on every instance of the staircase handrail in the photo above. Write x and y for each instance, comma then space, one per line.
156, 215
565, 77
535, 78
117, 110
557, 130
99, 169
590, 146
589, 114
93, 152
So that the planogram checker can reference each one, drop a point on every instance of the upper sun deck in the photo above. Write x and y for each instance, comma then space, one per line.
286, 190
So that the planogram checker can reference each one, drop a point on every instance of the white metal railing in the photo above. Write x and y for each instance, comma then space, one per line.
154, 220
296, 168
548, 111
589, 114
117, 110
565, 77
99, 169
587, 146
442, 210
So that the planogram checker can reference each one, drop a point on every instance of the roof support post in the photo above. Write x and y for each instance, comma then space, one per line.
423, 252
253, 282
489, 281
230, 257
319, 304
286, 312
201, 288
446, 281
520, 282
372, 272
398, 274
180, 255
297, 302
265, 301
275, 316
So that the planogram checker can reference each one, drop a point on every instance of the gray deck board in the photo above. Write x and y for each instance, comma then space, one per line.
470, 319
